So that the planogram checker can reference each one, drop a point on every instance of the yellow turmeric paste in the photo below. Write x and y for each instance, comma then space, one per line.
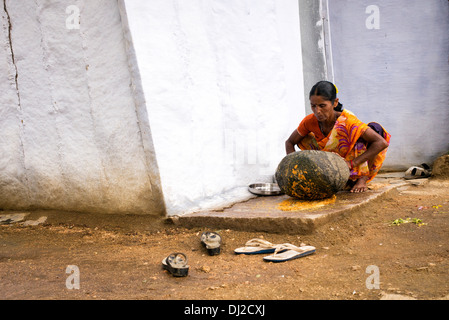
297, 205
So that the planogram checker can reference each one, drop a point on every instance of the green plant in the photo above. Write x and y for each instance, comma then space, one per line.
400, 221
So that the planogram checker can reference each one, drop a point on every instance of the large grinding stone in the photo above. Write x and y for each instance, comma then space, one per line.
312, 175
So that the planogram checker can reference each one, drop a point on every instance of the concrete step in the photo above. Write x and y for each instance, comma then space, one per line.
267, 213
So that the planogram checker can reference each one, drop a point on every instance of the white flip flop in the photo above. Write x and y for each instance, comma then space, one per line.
257, 246
289, 252
416, 172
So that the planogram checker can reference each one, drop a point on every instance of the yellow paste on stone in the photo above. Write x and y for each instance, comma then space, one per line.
296, 204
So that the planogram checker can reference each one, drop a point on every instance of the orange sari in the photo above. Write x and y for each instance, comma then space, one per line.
345, 140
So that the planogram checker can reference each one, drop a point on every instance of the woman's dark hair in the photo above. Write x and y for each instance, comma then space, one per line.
328, 91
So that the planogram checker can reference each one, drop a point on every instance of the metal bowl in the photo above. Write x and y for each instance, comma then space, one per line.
265, 189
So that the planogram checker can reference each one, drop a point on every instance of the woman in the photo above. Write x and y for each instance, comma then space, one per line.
330, 128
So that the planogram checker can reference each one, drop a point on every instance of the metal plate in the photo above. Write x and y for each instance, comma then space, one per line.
265, 189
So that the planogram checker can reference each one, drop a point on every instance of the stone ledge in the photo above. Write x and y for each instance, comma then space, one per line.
263, 213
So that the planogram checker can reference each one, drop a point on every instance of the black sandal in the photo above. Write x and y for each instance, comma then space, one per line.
176, 264
212, 242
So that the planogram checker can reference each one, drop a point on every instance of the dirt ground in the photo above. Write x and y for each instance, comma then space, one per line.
119, 257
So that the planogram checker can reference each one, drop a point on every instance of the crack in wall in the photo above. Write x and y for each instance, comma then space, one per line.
21, 124
12, 50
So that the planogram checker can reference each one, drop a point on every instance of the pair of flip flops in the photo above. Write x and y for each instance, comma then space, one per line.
281, 252
176, 263
417, 172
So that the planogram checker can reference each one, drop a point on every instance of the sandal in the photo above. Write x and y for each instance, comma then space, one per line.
288, 251
176, 264
212, 242
416, 172
257, 246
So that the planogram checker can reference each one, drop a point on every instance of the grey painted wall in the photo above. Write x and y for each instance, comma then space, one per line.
395, 70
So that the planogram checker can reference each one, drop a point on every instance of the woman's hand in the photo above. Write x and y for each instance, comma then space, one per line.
376, 144
292, 141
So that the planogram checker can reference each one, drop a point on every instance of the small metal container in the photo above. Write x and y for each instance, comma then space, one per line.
265, 189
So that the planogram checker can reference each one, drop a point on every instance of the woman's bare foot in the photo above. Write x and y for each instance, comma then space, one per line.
360, 185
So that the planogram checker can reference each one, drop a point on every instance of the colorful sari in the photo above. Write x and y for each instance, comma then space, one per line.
346, 140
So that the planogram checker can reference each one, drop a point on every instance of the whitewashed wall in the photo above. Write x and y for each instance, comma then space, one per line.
71, 136
223, 87
390, 61
172, 106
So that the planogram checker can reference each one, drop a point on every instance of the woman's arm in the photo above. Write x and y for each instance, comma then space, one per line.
376, 144
293, 140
